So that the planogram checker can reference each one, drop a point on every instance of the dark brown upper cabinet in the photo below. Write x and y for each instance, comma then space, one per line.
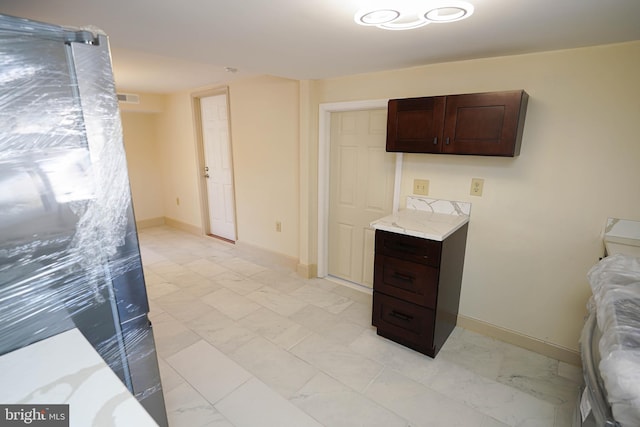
415, 125
483, 124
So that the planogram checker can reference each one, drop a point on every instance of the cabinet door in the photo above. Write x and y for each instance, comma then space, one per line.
488, 124
414, 125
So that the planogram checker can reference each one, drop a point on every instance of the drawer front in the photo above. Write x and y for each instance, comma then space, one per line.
409, 248
416, 283
404, 322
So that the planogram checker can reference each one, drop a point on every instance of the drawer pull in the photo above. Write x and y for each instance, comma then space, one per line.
401, 316
403, 277
401, 247
406, 248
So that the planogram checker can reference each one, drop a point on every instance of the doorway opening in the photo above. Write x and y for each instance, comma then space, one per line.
215, 164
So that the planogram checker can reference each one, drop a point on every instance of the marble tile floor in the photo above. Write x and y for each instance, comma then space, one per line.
244, 342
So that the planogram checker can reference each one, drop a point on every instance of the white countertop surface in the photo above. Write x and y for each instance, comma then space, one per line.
621, 248
622, 236
66, 369
426, 218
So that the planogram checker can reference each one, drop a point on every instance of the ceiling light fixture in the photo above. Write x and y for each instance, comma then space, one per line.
408, 25
447, 14
407, 16
378, 17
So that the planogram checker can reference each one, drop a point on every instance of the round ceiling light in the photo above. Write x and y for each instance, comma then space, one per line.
405, 24
449, 11
406, 16
377, 17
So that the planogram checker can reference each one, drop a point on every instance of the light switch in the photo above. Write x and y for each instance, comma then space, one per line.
476, 186
421, 187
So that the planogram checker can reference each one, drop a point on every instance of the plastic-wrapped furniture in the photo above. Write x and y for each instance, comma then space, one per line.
611, 348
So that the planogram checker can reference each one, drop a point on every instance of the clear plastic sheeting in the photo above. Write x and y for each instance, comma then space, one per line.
69, 255
615, 282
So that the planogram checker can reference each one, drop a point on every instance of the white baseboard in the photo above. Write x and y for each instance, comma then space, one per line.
275, 258
151, 222
530, 343
192, 229
307, 271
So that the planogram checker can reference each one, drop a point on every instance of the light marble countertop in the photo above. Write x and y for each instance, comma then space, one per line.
432, 219
66, 369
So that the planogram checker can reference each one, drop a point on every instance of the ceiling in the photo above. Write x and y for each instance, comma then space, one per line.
163, 46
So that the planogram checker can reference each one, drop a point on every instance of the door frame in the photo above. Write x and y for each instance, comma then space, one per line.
202, 184
324, 148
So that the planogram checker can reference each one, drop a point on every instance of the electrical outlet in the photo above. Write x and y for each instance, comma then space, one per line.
476, 186
421, 187
278, 226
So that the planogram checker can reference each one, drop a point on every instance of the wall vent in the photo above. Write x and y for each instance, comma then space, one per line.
129, 98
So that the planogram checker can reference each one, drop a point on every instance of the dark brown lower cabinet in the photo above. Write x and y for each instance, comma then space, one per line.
416, 288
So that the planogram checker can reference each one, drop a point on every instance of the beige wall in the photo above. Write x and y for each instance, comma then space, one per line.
265, 135
308, 182
149, 103
176, 137
536, 230
143, 161
533, 234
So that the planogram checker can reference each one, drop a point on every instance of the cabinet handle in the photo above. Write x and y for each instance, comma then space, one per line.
403, 247
435, 140
401, 316
447, 142
403, 277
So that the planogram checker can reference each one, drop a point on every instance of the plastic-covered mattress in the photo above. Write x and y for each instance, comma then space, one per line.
615, 282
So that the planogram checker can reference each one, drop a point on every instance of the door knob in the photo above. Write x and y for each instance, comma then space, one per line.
206, 175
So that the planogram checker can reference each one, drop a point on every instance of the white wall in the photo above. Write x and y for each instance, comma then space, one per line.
536, 230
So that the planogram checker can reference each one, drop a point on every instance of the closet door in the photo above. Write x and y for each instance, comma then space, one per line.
361, 191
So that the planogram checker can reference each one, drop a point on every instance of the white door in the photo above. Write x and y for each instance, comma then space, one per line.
361, 184
218, 166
